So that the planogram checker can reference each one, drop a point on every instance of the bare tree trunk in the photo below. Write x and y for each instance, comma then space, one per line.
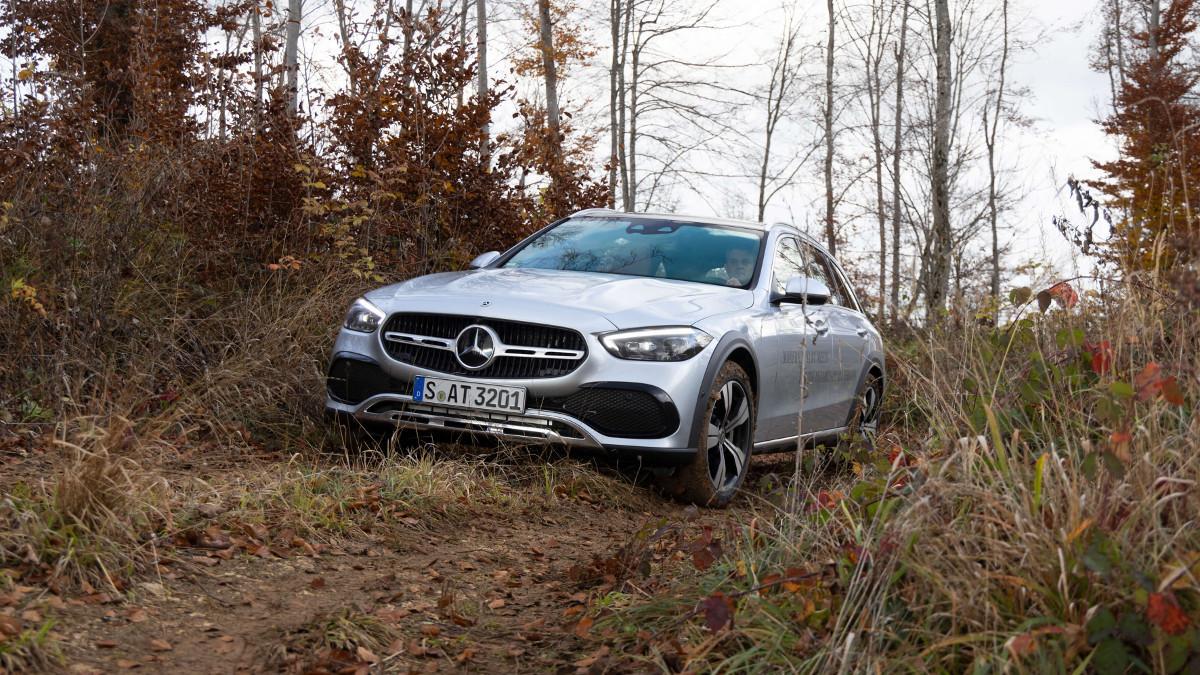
256, 31
634, 74
1152, 28
614, 132
990, 141
481, 82
462, 39
291, 53
623, 112
874, 63
550, 71
937, 275
780, 68
222, 95
830, 233
897, 153
1118, 26
766, 159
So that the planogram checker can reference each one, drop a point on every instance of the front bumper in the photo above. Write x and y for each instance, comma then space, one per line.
546, 420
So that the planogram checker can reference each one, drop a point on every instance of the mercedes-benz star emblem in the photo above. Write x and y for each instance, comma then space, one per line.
476, 347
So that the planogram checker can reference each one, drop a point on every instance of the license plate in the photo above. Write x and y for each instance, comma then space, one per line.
475, 395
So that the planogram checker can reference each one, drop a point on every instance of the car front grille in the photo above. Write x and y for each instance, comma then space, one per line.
532, 350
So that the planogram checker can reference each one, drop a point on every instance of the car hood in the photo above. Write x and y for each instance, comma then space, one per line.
563, 297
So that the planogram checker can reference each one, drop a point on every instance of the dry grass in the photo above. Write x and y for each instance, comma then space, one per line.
94, 522
1020, 530
343, 639
29, 649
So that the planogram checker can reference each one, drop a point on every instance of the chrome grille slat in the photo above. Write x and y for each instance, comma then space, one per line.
537, 351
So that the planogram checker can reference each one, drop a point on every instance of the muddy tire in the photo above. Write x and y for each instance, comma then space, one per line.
726, 433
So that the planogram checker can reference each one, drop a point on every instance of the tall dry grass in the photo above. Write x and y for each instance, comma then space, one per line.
1032, 506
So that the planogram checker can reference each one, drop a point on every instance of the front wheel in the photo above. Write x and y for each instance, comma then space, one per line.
726, 433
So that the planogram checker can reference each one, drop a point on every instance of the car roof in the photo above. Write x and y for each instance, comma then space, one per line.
710, 220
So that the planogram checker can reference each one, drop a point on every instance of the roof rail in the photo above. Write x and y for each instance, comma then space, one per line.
594, 212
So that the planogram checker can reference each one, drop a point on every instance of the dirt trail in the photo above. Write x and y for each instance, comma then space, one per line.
502, 591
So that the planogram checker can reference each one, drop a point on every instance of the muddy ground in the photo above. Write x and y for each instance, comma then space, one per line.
500, 587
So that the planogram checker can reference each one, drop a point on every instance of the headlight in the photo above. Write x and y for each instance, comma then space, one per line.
363, 317
674, 343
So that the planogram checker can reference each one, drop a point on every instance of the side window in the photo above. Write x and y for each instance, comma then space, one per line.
788, 263
845, 295
817, 267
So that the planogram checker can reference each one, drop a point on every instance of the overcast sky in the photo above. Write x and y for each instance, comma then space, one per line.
1066, 98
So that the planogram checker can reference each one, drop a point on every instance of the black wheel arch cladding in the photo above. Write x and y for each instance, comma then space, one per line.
725, 348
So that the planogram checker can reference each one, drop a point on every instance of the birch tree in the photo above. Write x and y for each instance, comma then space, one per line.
898, 153
291, 52
481, 68
937, 274
991, 127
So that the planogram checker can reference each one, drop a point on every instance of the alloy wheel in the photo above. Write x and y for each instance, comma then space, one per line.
729, 436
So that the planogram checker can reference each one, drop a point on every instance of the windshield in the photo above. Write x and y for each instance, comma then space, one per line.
668, 249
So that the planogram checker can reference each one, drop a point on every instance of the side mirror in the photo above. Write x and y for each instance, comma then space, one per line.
805, 290
484, 259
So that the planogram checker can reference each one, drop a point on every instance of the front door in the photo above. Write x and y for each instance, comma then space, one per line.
795, 400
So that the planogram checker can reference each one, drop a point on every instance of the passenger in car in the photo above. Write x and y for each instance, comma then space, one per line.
739, 266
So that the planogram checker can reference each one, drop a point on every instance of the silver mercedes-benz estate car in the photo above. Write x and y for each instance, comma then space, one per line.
688, 343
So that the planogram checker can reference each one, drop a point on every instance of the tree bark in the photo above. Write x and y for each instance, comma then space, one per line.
256, 31
614, 131
830, 233
291, 55
874, 63
990, 141
633, 123
550, 71
481, 81
623, 112
462, 39
897, 154
937, 276
1152, 28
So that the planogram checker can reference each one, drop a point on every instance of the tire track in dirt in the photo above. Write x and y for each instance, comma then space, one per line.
494, 592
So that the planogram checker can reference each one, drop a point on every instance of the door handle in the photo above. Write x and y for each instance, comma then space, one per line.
862, 332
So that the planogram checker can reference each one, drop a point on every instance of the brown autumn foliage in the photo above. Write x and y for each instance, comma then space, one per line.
148, 190
1155, 120
571, 47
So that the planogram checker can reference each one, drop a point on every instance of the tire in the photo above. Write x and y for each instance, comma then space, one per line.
726, 433
864, 416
